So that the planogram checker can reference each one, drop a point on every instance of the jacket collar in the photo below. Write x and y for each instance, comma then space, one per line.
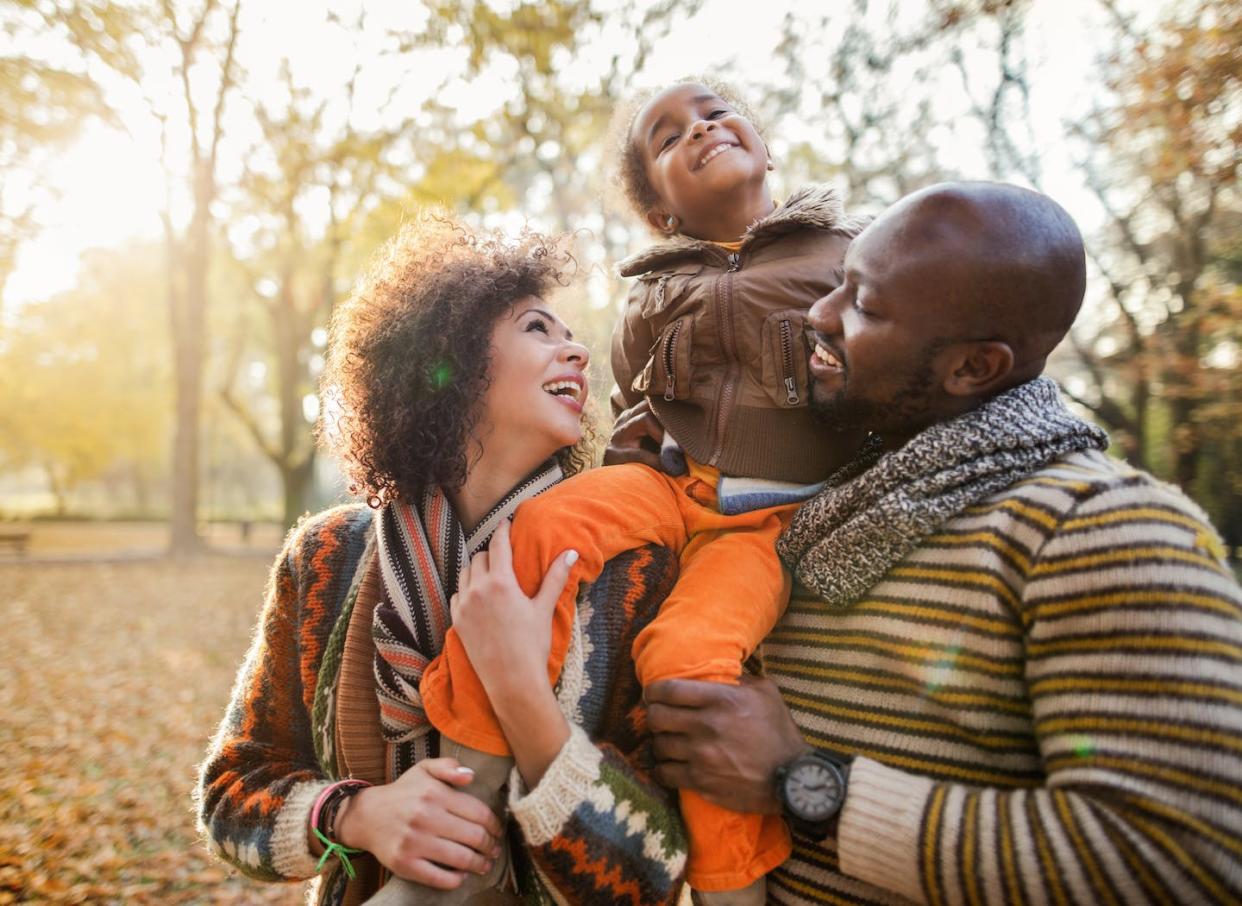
816, 207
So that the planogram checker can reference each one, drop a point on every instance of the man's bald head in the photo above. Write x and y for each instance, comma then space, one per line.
953, 295
1013, 264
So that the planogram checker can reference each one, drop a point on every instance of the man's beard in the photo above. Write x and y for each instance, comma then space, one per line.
904, 411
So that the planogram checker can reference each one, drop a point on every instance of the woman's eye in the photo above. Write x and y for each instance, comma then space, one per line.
537, 324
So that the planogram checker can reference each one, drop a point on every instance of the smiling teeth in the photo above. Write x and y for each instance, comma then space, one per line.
718, 150
827, 357
559, 388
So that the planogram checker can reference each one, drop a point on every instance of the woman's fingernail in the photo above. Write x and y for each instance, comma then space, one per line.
464, 770
571, 557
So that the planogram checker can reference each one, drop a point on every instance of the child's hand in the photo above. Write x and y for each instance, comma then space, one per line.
636, 437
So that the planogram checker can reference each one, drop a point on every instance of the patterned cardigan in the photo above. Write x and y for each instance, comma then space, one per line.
597, 828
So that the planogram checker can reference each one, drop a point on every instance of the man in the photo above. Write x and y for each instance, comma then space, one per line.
1011, 670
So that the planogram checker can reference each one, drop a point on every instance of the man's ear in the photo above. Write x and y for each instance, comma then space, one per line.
979, 368
662, 221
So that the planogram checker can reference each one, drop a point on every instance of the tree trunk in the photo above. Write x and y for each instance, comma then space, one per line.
189, 327
140, 488
60, 492
296, 481
1186, 399
1142, 412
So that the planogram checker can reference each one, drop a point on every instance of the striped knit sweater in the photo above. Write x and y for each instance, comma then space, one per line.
597, 829
1045, 704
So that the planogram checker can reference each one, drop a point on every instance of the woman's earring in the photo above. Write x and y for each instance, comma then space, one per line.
771, 166
670, 223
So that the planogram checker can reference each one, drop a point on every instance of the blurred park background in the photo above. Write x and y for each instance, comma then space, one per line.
188, 188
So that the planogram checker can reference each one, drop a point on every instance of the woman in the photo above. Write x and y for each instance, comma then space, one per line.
459, 395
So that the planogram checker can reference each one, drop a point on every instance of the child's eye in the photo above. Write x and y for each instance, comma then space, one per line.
668, 141
717, 114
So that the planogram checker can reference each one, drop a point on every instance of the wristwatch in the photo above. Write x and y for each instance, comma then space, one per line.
812, 790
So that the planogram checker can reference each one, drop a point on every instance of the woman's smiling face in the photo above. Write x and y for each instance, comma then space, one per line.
537, 383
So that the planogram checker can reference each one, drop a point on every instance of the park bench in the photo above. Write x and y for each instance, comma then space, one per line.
15, 540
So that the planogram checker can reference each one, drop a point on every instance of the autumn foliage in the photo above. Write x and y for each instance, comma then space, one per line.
112, 678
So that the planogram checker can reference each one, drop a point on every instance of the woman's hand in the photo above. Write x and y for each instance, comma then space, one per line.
421, 828
507, 635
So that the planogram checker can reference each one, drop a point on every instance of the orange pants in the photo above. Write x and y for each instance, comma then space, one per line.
730, 592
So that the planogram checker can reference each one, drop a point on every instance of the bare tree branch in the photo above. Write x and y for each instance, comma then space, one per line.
226, 83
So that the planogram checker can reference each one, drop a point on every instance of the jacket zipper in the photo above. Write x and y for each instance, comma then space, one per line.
670, 362
661, 285
791, 387
728, 344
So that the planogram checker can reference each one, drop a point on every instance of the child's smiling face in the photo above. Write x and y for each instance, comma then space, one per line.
701, 156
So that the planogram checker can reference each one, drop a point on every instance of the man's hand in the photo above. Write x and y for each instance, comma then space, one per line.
636, 437
724, 742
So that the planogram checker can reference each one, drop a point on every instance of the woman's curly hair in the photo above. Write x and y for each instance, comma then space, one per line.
628, 172
409, 353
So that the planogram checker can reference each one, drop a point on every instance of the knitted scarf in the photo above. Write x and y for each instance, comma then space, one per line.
422, 550
872, 514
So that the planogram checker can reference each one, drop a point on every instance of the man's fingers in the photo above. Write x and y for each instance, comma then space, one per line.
631, 432
617, 456
643, 405
636, 437
669, 719
675, 774
671, 747
638, 424
684, 693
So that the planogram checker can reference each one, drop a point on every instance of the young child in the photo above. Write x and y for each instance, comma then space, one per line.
713, 337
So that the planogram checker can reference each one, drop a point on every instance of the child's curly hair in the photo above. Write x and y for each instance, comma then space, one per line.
628, 174
409, 358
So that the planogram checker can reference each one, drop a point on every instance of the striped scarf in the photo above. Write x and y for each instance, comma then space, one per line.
422, 550
875, 511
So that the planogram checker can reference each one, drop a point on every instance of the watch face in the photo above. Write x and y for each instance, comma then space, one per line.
813, 790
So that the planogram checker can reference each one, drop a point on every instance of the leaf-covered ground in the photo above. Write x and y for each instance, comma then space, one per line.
112, 679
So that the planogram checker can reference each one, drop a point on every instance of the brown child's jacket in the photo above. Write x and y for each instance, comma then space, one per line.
717, 341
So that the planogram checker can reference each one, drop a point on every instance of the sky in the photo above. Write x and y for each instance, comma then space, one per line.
111, 186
